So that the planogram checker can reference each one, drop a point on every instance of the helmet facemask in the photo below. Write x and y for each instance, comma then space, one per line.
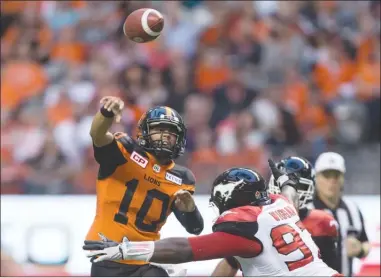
165, 139
306, 189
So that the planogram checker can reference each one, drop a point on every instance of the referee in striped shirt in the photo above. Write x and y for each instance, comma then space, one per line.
353, 240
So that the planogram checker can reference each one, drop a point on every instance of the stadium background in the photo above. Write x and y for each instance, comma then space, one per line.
253, 79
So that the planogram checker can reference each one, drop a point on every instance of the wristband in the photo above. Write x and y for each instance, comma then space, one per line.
105, 113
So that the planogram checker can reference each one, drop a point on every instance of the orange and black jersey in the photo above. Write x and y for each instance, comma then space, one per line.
135, 194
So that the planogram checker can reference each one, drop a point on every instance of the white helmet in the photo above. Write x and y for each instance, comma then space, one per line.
306, 173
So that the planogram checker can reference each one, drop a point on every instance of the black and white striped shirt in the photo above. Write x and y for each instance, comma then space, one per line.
350, 220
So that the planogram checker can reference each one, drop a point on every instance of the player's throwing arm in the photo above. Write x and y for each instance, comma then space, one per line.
111, 109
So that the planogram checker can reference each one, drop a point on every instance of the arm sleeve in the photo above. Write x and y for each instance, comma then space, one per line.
221, 245
191, 221
110, 156
363, 237
232, 262
328, 250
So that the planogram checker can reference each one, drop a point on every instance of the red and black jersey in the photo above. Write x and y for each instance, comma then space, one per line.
233, 235
324, 231
321, 225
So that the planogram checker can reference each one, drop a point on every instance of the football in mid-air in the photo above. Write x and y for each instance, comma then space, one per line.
143, 25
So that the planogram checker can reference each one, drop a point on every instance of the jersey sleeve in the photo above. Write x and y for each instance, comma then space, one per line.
220, 245
112, 155
113, 151
320, 223
329, 226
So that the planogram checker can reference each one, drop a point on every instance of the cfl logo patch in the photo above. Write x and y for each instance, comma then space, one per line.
156, 168
138, 159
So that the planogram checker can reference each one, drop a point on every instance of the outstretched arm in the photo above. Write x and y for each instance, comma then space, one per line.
287, 184
112, 107
178, 250
291, 194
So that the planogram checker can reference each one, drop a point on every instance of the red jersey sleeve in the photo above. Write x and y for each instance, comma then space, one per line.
320, 223
220, 245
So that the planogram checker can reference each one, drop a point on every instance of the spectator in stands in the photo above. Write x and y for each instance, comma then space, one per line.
213, 61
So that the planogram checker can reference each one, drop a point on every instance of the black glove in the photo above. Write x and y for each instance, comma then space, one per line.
282, 178
99, 244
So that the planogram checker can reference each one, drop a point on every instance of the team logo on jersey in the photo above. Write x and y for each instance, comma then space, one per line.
138, 159
173, 178
156, 168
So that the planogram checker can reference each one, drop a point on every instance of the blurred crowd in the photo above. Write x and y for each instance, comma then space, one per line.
253, 79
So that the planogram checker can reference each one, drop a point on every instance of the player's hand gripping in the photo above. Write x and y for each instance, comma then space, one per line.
282, 178
184, 201
107, 249
113, 104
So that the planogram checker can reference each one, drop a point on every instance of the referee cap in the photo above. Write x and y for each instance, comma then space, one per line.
330, 161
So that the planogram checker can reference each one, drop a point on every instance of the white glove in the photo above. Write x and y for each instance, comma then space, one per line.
139, 251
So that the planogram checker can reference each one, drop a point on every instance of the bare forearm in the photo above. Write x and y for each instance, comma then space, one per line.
172, 250
200, 248
99, 130
292, 195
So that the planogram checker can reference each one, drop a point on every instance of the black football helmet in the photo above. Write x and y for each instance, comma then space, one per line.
306, 174
238, 187
167, 117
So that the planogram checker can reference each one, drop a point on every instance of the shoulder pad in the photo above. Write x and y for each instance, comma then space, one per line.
240, 221
184, 173
321, 223
241, 214
127, 142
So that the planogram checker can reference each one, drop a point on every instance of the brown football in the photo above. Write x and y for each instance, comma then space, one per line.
143, 25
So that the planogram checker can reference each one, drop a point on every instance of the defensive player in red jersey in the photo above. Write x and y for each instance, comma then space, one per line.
321, 225
262, 231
